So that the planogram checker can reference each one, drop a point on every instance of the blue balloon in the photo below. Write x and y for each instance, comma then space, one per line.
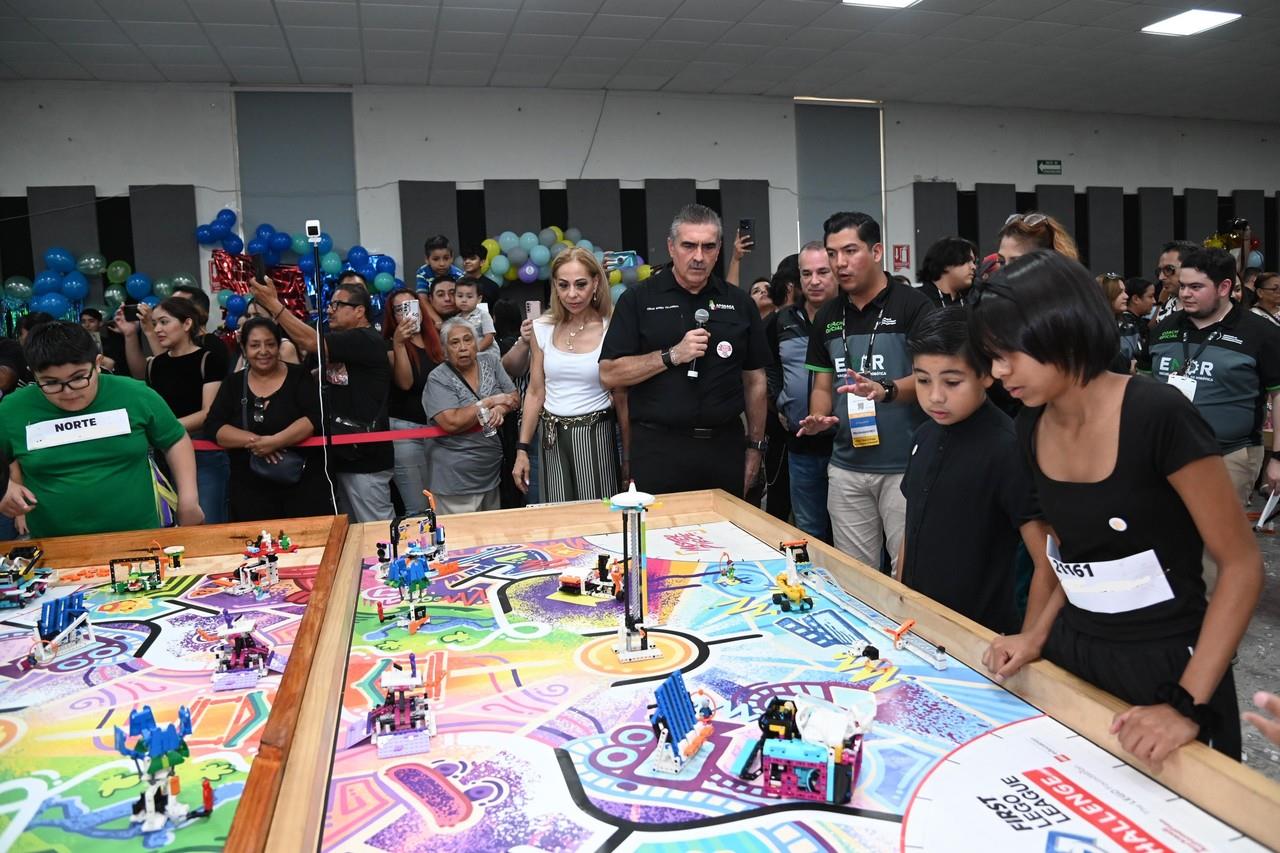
233, 244
271, 258
227, 216
59, 259
367, 271
500, 264
138, 285
508, 240
204, 234
399, 282
307, 263
357, 256
540, 255
280, 241
152, 300
386, 263
256, 246
237, 304
47, 281
233, 320
51, 303
326, 243
528, 240
265, 230
586, 244
75, 286
219, 229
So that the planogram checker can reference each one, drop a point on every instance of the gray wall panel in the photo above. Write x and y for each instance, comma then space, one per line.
1249, 204
936, 217
1202, 214
1155, 222
837, 165
67, 217
1059, 201
165, 218
1106, 229
427, 208
297, 162
746, 200
663, 199
996, 203
595, 208
513, 205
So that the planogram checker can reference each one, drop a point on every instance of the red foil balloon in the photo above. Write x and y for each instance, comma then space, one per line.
228, 271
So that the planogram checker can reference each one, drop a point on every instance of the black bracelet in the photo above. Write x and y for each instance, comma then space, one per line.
525, 446
666, 359
1176, 697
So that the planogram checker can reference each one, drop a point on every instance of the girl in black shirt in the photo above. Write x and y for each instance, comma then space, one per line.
1130, 479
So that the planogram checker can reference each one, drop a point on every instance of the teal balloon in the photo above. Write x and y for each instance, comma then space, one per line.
615, 292
540, 255
586, 244
331, 263
559, 249
384, 282
162, 288
183, 280
544, 273
300, 244
92, 264
508, 240
18, 288
500, 264
528, 240
224, 295
114, 295
494, 277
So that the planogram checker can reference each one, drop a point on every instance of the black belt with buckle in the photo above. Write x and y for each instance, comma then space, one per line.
694, 432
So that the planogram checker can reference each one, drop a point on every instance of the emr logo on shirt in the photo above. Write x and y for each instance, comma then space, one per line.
1197, 370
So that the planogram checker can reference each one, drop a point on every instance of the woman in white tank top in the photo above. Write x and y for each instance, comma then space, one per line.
578, 446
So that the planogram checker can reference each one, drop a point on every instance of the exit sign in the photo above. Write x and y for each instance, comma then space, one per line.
1048, 167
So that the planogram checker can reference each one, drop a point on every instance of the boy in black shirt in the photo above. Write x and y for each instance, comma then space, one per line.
969, 493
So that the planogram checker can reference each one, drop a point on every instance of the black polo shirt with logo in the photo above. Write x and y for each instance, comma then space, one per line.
891, 316
656, 315
1235, 364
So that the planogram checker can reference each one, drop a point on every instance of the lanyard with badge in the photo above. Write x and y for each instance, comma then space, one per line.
863, 431
1179, 378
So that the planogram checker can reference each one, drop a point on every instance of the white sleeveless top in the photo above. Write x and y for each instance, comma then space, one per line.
572, 378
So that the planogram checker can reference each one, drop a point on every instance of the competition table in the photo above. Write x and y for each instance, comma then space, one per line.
544, 742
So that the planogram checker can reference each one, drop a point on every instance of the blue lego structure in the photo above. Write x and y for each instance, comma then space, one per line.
410, 575
57, 615
162, 750
63, 624
680, 727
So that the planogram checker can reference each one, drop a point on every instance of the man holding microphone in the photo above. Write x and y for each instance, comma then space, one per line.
692, 352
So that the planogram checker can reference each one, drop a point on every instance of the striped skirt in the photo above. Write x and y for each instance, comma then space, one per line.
579, 457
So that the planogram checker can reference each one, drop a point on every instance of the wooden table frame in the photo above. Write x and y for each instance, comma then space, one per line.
1235, 794
259, 797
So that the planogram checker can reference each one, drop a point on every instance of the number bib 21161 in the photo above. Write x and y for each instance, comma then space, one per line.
1112, 586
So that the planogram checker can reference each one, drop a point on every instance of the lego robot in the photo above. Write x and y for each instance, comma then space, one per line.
162, 750
791, 594
404, 723
680, 724
633, 638
20, 579
136, 574
602, 581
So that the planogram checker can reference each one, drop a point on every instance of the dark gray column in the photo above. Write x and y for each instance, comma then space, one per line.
67, 217
1059, 201
427, 208
164, 223
1249, 205
1106, 229
512, 205
935, 215
746, 200
595, 208
1202, 214
1155, 222
663, 199
996, 203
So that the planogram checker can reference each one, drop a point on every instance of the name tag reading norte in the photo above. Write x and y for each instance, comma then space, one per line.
77, 428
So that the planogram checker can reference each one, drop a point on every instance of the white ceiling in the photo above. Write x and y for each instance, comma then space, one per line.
1058, 54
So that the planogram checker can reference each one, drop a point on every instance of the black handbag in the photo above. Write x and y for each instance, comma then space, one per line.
289, 470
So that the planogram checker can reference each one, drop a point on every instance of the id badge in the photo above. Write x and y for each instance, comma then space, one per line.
862, 421
1185, 384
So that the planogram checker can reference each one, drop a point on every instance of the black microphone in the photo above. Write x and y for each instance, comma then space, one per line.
700, 317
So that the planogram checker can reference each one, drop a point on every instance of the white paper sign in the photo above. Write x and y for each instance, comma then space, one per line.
77, 428
1112, 586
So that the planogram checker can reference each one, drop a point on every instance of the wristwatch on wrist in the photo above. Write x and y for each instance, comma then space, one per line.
1176, 697
667, 360
761, 445
890, 390
525, 446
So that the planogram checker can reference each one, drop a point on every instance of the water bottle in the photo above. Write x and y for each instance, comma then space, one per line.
486, 425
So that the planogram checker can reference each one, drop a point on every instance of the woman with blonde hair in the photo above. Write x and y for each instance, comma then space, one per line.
1026, 232
578, 448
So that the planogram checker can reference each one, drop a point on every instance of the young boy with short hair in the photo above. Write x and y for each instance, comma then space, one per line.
75, 432
438, 254
968, 488
473, 256
466, 297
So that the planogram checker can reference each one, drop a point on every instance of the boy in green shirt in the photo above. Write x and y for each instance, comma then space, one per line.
78, 441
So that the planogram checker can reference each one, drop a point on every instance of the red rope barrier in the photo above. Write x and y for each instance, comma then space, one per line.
356, 438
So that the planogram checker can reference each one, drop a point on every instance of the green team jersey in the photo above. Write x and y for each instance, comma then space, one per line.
89, 470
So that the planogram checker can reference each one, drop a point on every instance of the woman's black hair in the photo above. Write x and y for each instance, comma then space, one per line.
1048, 306
181, 310
946, 332
57, 343
252, 323
947, 252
